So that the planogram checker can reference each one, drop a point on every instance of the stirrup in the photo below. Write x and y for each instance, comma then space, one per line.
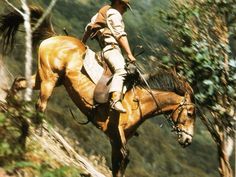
117, 105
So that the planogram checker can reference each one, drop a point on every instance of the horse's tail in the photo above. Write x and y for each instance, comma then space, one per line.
10, 22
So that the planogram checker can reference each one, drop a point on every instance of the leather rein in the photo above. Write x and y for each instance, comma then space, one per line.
173, 124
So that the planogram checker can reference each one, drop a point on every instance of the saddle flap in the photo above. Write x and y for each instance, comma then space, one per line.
101, 92
100, 75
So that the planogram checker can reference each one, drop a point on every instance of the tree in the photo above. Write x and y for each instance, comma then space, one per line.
199, 35
25, 12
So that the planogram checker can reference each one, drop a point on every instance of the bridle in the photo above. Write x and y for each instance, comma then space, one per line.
173, 124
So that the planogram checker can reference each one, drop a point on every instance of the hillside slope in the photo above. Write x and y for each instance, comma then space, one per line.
59, 149
49, 148
26, 151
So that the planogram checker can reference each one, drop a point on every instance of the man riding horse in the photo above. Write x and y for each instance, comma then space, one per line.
108, 28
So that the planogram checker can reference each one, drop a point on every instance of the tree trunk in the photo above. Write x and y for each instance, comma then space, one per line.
28, 54
225, 148
4, 84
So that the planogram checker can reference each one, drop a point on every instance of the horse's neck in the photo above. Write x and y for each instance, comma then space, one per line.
164, 102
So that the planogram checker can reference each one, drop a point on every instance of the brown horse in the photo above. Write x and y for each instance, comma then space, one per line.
60, 62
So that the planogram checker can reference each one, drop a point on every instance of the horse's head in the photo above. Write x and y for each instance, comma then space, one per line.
178, 97
183, 119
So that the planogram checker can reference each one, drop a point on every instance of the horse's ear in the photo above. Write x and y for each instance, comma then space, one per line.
187, 96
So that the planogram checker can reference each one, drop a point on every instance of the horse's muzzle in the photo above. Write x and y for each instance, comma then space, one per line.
184, 139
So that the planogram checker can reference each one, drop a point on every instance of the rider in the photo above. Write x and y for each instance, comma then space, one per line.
108, 28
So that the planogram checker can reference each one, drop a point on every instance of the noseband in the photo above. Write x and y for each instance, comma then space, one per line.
174, 124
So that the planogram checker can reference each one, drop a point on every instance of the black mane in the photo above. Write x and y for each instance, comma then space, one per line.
167, 80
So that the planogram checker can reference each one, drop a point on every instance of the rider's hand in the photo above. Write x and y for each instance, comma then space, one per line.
131, 58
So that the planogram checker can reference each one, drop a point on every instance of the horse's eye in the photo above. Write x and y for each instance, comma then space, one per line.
189, 114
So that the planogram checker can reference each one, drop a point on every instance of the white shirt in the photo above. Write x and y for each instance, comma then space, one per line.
115, 24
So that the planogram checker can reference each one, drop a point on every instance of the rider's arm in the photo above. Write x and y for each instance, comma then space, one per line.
123, 42
117, 28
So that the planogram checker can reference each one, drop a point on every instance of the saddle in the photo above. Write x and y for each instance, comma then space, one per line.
99, 72
101, 92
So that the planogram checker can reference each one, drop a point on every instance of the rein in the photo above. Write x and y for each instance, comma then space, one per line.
173, 124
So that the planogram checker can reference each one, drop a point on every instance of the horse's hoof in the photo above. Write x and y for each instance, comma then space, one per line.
15, 86
11, 93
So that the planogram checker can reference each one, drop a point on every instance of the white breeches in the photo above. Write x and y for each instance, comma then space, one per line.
116, 63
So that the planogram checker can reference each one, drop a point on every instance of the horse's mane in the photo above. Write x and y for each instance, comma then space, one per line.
168, 80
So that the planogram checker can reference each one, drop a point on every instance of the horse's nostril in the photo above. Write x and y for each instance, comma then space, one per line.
188, 141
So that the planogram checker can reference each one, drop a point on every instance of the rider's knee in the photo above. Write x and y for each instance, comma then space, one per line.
120, 72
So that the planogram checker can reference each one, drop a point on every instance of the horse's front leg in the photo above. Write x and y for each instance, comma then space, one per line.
120, 154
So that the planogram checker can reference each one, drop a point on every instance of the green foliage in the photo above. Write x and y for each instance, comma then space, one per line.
9, 139
61, 172
200, 47
200, 32
15, 119
43, 170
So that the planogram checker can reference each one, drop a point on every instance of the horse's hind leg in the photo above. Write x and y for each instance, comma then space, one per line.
46, 88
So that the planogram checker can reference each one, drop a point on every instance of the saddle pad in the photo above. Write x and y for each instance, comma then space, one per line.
91, 66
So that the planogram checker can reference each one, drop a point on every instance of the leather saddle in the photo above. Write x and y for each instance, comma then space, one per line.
100, 74
101, 92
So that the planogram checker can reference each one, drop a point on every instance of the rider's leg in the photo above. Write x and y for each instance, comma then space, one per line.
116, 63
116, 90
